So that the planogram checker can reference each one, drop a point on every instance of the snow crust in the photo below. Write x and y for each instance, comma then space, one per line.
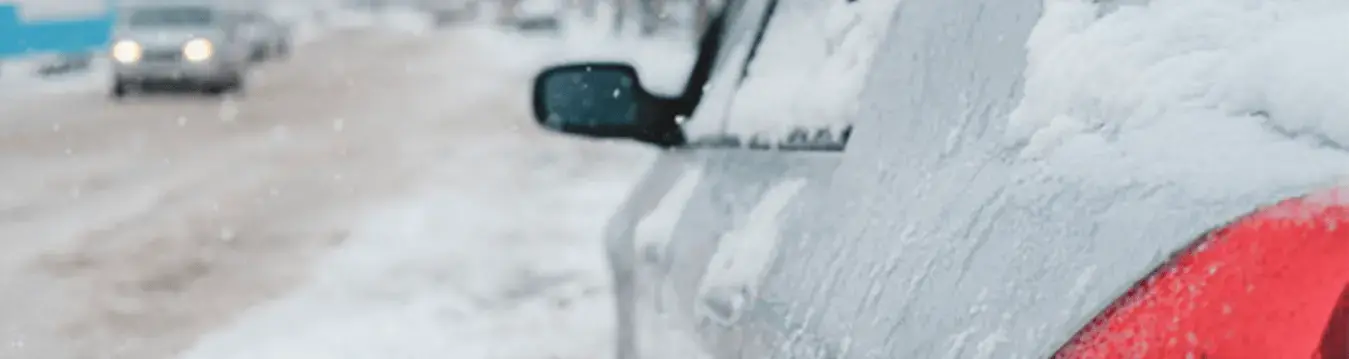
1222, 96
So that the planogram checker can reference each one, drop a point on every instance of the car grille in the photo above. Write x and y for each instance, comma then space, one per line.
161, 55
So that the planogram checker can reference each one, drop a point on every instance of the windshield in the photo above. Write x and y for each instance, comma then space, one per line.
170, 16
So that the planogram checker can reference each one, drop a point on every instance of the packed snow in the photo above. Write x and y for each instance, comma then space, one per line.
744, 256
492, 265
1221, 96
21, 78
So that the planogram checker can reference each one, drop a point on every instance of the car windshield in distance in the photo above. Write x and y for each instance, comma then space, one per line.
170, 17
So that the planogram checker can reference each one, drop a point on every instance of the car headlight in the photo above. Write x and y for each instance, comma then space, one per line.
198, 50
126, 51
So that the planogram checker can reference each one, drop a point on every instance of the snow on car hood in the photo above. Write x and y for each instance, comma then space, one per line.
1218, 95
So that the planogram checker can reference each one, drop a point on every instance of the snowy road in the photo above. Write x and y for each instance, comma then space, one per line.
379, 195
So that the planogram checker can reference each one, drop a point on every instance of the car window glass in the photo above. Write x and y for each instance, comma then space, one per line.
171, 16
595, 109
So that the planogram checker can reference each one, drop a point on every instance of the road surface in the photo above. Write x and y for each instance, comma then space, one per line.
154, 227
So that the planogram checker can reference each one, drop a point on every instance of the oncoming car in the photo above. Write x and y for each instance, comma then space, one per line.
181, 46
921, 231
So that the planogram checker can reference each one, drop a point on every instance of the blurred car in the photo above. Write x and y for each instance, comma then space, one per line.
269, 37
448, 12
180, 45
537, 15
926, 239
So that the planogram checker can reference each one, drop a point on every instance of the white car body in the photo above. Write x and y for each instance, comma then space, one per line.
158, 36
939, 231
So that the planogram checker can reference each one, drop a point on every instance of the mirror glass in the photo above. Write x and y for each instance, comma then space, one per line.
590, 98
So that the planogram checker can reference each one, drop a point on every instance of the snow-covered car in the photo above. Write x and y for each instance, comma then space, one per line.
270, 38
932, 229
200, 45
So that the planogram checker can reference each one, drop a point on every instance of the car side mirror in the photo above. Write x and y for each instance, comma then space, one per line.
604, 100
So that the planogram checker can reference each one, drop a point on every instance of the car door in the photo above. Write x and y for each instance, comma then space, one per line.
926, 237
728, 183
762, 254
708, 238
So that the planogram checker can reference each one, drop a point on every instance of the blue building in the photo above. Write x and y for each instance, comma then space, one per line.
56, 36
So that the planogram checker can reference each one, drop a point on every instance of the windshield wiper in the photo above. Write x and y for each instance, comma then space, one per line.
819, 140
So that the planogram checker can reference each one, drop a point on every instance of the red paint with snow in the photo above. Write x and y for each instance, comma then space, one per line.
1272, 285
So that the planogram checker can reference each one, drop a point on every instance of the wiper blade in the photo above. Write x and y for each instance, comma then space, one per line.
822, 140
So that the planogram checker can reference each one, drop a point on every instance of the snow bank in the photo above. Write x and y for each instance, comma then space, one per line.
20, 77
1220, 95
810, 68
500, 261
451, 274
